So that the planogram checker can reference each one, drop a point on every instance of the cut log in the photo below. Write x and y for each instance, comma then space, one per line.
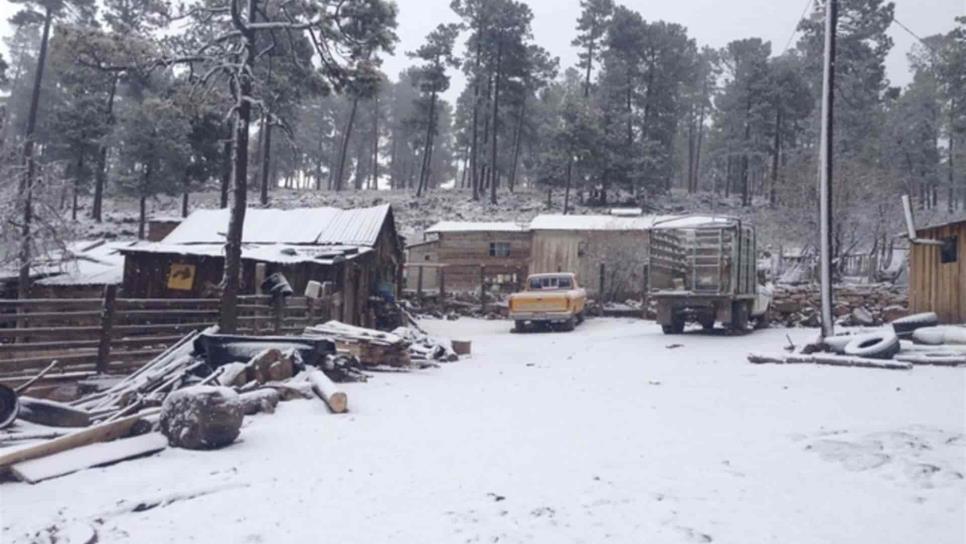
826, 359
92, 455
103, 432
260, 400
201, 417
933, 358
462, 347
292, 390
334, 398
233, 375
52, 414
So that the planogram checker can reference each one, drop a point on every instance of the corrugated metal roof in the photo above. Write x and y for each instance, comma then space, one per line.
613, 222
272, 253
476, 226
323, 226
88, 263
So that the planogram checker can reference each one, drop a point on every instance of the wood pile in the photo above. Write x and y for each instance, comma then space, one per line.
369, 346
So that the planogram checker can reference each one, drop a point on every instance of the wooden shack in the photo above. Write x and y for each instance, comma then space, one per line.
358, 251
81, 269
937, 272
460, 250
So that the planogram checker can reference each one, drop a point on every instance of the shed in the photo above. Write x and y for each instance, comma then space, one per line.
160, 227
937, 272
358, 250
80, 270
502, 249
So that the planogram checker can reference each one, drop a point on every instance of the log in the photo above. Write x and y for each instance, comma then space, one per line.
92, 455
52, 414
462, 347
933, 358
334, 398
103, 432
23, 387
826, 359
260, 400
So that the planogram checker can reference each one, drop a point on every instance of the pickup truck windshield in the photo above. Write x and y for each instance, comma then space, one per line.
550, 283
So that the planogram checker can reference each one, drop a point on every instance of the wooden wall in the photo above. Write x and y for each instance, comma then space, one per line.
934, 286
624, 254
464, 252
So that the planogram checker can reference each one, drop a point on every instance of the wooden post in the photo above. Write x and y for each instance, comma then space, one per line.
600, 288
441, 274
278, 312
107, 323
646, 290
419, 281
483, 289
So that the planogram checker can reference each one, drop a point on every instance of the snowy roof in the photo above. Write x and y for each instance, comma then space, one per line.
88, 262
614, 222
272, 253
320, 226
476, 226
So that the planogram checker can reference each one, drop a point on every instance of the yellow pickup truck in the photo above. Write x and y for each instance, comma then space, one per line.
553, 300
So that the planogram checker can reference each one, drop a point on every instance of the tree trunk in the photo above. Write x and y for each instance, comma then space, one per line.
77, 182
775, 156
474, 167
951, 199
266, 162
691, 121
101, 175
570, 170
494, 176
428, 149
225, 173
228, 318
516, 145
27, 183
344, 149
142, 215
590, 65
697, 150
186, 189
374, 185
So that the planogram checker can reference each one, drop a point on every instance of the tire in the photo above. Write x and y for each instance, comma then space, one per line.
675, 327
935, 336
569, 324
904, 326
837, 343
876, 345
739, 316
519, 326
707, 324
580, 318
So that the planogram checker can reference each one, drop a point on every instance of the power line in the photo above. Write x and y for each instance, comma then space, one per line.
788, 44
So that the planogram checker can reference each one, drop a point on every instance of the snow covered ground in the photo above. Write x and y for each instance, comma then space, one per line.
604, 434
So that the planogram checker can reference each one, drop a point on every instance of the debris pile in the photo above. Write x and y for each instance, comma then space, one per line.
906, 342
197, 393
856, 305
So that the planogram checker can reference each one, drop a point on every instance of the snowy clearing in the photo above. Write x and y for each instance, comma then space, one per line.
603, 434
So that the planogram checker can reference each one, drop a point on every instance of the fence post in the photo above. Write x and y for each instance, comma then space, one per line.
278, 312
482, 289
107, 323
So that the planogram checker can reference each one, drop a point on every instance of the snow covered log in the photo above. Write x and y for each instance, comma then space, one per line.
52, 414
201, 417
260, 400
102, 432
933, 358
92, 455
336, 399
827, 359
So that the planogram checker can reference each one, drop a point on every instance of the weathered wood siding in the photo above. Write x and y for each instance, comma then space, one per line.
935, 286
464, 253
623, 253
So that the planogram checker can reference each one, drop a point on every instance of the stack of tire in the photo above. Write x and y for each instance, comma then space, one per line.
884, 343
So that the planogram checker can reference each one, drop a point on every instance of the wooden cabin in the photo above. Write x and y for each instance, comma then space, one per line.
358, 251
82, 269
459, 249
937, 272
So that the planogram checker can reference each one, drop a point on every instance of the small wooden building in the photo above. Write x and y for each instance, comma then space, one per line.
160, 227
358, 251
80, 270
937, 272
459, 249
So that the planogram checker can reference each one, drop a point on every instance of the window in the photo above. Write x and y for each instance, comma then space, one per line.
428, 257
949, 251
499, 249
549, 283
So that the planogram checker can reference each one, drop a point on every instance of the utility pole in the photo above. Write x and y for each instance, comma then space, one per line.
825, 168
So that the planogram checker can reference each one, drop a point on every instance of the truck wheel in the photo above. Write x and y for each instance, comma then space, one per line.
676, 326
739, 316
580, 318
569, 324
707, 323
519, 326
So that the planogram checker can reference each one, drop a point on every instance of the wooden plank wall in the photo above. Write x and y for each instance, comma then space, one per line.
623, 253
465, 252
934, 286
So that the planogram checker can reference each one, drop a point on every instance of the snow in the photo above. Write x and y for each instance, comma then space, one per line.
83, 262
273, 253
622, 222
476, 226
602, 434
358, 226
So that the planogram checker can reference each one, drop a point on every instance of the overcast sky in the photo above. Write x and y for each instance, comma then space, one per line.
710, 22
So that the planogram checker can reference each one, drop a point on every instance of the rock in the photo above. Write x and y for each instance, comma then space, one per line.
201, 417
841, 310
893, 312
863, 317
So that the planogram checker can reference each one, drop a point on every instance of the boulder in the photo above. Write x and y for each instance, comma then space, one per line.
201, 417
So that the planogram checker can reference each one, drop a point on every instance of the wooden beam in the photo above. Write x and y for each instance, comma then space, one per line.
103, 432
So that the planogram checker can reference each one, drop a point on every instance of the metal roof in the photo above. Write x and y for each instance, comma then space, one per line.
476, 226
625, 223
272, 253
318, 226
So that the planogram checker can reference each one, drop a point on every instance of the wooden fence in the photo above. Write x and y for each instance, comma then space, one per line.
111, 334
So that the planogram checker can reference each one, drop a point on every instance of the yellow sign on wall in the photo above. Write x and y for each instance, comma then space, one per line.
181, 277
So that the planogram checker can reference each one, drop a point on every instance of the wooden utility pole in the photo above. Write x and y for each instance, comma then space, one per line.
825, 168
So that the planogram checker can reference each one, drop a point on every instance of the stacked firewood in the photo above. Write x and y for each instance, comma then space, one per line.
369, 346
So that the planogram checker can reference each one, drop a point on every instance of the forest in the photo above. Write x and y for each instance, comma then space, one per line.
144, 97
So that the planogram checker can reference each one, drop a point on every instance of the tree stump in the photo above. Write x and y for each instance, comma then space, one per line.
201, 417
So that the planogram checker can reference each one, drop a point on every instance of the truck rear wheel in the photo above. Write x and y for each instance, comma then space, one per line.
519, 326
569, 324
740, 312
676, 326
